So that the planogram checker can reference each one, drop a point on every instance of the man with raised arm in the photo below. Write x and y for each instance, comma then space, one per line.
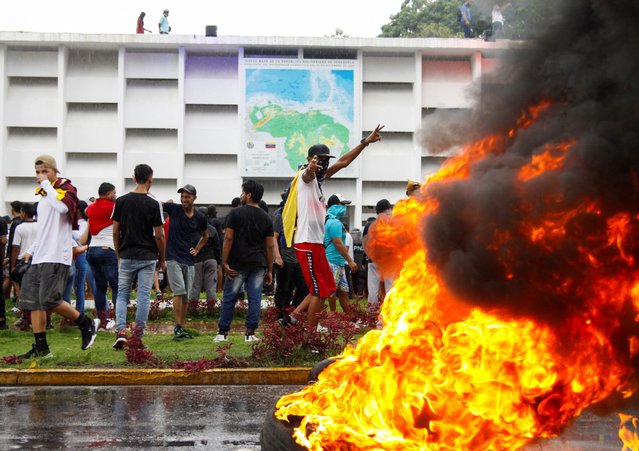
306, 203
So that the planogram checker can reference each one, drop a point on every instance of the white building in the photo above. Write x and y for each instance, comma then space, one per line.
103, 103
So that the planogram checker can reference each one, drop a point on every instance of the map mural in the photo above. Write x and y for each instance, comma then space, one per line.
289, 105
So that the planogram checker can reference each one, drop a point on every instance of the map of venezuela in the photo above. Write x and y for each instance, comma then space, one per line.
299, 108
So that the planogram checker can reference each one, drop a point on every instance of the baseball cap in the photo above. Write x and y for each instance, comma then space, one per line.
319, 150
48, 161
189, 189
337, 198
412, 186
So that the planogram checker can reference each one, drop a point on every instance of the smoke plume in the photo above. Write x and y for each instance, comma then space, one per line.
586, 66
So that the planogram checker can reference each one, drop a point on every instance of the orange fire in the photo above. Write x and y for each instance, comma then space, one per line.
628, 432
443, 375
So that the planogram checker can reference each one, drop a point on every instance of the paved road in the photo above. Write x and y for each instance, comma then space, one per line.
215, 417
139, 417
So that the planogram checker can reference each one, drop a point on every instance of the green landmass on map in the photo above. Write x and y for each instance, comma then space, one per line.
301, 130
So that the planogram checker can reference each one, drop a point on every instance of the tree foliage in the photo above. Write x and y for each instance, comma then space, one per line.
524, 19
424, 19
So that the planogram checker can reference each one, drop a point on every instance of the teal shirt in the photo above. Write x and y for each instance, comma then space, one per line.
164, 24
334, 228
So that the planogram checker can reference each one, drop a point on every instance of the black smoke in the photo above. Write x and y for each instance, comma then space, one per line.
587, 65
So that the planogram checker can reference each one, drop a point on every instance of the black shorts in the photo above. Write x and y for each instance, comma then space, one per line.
43, 286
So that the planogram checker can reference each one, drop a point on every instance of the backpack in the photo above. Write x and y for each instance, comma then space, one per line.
459, 15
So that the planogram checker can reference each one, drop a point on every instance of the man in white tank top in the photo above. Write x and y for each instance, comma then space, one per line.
309, 237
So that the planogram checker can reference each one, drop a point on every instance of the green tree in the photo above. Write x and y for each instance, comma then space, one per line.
424, 19
524, 19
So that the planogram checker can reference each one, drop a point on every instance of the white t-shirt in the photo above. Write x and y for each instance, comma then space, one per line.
24, 237
497, 16
311, 212
54, 243
77, 234
348, 242
104, 238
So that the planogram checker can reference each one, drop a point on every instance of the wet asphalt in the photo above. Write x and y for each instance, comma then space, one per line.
190, 417
137, 417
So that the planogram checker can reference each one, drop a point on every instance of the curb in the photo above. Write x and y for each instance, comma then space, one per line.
239, 376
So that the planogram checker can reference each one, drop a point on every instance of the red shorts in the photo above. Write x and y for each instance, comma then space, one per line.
317, 272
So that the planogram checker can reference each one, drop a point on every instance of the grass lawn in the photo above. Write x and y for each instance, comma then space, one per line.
64, 343
65, 347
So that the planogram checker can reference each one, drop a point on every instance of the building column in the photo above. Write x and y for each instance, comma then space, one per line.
122, 172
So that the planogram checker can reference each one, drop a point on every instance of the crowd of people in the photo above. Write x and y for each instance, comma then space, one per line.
303, 252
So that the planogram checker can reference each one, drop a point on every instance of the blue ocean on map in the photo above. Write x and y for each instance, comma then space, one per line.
311, 88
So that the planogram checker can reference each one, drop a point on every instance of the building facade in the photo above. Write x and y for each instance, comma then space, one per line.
103, 103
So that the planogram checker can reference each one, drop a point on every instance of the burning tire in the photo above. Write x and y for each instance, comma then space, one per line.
277, 435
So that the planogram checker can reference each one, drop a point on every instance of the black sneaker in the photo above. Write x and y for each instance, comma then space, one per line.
287, 320
35, 352
180, 334
284, 320
120, 341
89, 333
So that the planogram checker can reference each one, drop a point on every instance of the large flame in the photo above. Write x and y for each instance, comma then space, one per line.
443, 375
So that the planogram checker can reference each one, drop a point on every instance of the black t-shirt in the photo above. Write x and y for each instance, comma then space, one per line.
250, 225
219, 226
184, 233
138, 214
15, 222
3, 232
366, 258
211, 250
287, 253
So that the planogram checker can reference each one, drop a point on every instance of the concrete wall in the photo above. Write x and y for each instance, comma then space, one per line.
103, 103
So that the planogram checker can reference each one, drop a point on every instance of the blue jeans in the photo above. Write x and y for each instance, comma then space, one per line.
104, 265
467, 30
145, 270
254, 279
77, 277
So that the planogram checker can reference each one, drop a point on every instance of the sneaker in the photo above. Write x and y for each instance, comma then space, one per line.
221, 338
89, 333
180, 334
250, 338
120, 341
321, 329
35, 352
110, 324
287, 320
359, 324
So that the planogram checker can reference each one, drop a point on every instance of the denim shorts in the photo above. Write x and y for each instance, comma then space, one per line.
43, 286
180, 278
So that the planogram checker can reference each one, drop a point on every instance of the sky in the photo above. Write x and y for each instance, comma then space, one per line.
357, 18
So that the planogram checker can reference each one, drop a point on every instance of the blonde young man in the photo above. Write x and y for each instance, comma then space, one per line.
51, 256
